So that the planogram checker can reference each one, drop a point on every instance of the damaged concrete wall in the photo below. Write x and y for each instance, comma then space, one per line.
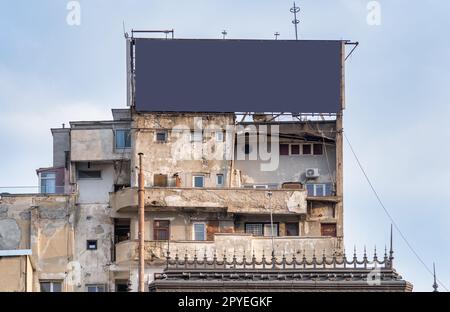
92, 222
172, 157
96, 190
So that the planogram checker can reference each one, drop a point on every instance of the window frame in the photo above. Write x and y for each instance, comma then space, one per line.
194, 232
193, 138
128, 136
90, 242
155, 229
217, 180
198, 176
219, 134
292, 223
96, 287
310, 149
288, 149
263, 224
51, 282
299, 149
314, 149
166, 136
41, 179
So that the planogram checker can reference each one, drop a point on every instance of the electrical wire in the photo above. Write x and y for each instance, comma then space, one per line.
389, 215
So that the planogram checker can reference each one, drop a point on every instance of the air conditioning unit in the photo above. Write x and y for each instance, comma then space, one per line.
312, 173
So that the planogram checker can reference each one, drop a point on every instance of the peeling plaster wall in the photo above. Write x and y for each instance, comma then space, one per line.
170, 157
96, 190
12, 274
93, 223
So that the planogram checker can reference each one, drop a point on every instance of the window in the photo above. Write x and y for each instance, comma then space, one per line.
161, 229
161, 136
306, 149
91, 245
260, 186
160, 180
95, 288
328, 229
254, 228
267, 231
284, 149
123, 139
48, 182
317, 149
295, 149
121, 286
198, 181
51, 286
219, 180
199, 231
261, 229
219, 136
196, 136
319, 189
292, 229
89, 174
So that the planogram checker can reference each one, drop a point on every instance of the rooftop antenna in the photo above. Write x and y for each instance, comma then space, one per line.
125, 34
276, 34
224, 34
435, 285
295, 9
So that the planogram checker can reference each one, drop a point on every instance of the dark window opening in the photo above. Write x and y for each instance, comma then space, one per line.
306, 149
284, 149
161, 229
292, 229
318, 149
121, 286
91, 245
161, 136
121, 230
295, 149
89, 174
328, 229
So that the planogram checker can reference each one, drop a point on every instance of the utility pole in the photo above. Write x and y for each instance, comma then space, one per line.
269, 194
141, 192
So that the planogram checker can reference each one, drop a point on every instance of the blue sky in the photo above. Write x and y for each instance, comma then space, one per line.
397, 91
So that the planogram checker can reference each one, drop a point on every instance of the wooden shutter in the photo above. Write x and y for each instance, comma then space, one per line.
160, 180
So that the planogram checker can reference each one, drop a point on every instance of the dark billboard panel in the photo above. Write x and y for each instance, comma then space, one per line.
194, 75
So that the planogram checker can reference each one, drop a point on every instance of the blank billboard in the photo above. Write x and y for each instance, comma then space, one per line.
194, 75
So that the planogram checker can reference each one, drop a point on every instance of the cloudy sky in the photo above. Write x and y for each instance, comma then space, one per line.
397, 91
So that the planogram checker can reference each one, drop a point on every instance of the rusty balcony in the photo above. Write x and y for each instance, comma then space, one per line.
232, 200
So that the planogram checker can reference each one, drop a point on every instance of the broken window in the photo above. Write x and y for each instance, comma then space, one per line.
328, 229
89, 174
123, 138
91, 245
48, 182
199, 231
121, 286
161, 229
306, 149
50, 286
284, 149
219, 180
161, 136
95, 288
160, 180
292, 229
318, 149
198, 181
295, 149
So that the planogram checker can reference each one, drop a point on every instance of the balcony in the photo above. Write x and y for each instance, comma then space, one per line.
228, 244
232, 200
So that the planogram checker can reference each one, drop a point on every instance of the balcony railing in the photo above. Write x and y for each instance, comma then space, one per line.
229, 245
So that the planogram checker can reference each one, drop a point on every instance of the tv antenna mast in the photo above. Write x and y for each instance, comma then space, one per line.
276, 34
294, 10
224, 34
